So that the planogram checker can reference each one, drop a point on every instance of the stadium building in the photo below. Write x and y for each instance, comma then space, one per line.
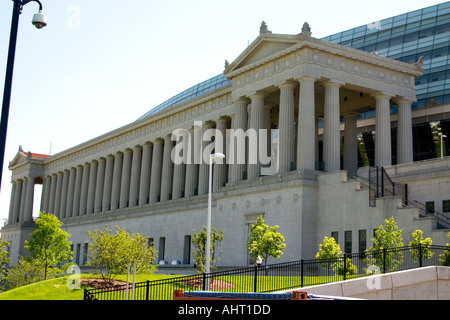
323, 137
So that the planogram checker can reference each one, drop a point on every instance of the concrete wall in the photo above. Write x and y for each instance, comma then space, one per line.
429, 283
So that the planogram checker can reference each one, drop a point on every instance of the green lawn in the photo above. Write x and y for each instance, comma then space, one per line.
57, 289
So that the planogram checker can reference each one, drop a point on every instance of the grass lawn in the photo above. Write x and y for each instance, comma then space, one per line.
57, 289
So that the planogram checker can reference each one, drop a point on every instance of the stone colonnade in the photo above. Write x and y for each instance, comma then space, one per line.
146, 174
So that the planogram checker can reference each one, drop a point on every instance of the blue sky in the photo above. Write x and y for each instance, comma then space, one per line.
100, 65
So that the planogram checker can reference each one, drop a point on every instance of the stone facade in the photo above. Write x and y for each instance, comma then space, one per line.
281, 84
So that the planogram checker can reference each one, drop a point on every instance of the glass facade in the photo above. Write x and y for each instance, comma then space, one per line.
191, 93
424, 32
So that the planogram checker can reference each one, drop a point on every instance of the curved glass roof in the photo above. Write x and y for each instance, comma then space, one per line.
195, 91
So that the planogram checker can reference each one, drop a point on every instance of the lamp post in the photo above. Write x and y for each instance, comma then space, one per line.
208, 226
442, 145
39, 21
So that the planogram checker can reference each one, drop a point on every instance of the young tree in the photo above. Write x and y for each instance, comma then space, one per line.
4, 260
265, 241
329, 255
423, 244
199, 252
444, 258
388, 237
111, 253
49, 244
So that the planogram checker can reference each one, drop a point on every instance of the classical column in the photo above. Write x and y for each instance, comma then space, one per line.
17, 201
11, 203
203, 174
64, 193
220, 167
84, 188
70, 192
51, 204
28, 212
117, 176
45, 194
331, 130
135, 176
155, 181
257, 122
167, 170
107, 188
58, 192
237, 146
383, 131
191, 182
404, 132
306, 127
179, 175
99, 185
92, 187
77, 191
144, 188
126, 178
286, 128
23, 199
351, 144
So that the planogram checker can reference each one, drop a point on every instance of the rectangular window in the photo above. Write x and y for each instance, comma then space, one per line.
187, 250
77, 257
445, 205
335, 235
162, 247
429, 207
85, 253
348, 241
362, 240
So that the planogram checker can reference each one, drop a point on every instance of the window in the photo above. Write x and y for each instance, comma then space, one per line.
445, 205
77, 257
162, 247
429, 207
362, 235
348, 241
187, 250
335, 235
85, 253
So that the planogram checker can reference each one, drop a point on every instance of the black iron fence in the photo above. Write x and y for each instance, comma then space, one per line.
281, 276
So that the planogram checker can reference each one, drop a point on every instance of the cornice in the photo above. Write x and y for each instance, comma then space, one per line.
155, 125
303, 41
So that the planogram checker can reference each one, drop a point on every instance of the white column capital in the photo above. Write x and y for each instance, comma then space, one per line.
288, 84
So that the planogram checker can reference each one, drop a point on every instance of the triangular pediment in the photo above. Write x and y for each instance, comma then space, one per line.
23, 157
20, 158
263, 48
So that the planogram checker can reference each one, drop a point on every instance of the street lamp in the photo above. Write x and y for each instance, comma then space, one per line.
39, 21
442, 145
208, 226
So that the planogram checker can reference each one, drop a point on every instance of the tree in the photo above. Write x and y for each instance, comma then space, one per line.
110, 253
49, 244
419, 242
199, 252
4, 260
388, 237
444, 258
329, 255
265, 241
